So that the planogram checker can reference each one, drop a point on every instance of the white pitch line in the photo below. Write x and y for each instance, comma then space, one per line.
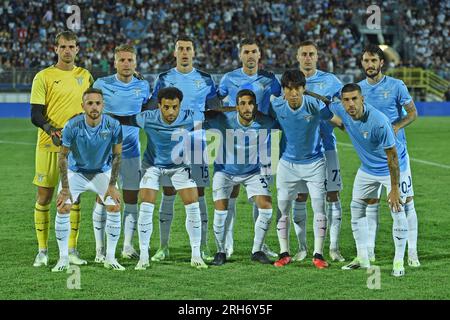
17, 142
434, 164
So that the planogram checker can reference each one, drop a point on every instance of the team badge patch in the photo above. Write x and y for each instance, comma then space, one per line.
137, 92
104, 134
198, 83
79, 80
365, 134
307, 118
386, 94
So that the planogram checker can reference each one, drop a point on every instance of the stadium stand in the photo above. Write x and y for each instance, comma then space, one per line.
418, 30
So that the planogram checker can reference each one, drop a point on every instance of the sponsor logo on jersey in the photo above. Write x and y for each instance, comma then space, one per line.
79, 80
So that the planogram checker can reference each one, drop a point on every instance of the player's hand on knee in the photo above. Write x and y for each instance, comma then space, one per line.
62, 198
114, 194
394, 200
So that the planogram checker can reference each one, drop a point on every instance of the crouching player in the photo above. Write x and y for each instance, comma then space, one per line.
89, 160
242, 165
383, 163
164, 157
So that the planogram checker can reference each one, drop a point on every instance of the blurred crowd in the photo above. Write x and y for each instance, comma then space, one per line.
28, 28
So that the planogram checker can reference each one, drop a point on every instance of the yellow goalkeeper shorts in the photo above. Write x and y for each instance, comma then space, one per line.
47, 171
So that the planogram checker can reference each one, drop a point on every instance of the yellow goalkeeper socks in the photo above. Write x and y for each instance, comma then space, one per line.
41, 224
75, 216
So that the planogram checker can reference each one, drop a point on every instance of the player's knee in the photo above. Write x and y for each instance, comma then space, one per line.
130, 196
332, 196
371, 201
221, 204
302, 197
65, 209
115, 208
264, 203
44, 196
201, 192
235, 192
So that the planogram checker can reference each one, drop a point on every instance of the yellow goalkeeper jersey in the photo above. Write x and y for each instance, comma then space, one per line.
61, 92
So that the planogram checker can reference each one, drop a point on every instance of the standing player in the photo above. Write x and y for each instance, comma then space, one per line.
165, 157
95, 145
263, 84
199, 93
56, 96
383, 163
124, 95
325, 84
302, 165
242, 165
390, 96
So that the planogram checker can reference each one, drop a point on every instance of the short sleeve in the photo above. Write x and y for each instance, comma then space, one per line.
336, 89
223, 87
141, 118
117, 135
98, 84
403, 96
67, 135
275, 88
38, 89
385, 135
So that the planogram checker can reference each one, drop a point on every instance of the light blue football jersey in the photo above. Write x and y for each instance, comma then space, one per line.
370, 136
91, 147
328, 85
198, 87
263, 84
242, 148
125, 99
389, 96
166, 143
300, 138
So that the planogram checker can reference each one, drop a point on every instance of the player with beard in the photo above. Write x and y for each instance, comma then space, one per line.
391, 97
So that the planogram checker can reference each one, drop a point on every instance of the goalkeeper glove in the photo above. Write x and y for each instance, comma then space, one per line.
54, 133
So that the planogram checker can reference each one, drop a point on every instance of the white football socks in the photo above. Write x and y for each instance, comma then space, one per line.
335, 220
261, 227
319, 224
220, 217
359, 228
204, 219
113, 225
99, 223
166, 210
130, 212
145, 228
62, 231
193, 227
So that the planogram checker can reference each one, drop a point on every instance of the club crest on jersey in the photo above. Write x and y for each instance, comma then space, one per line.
137, 92
308, 117
321, 85
104, 134
79, 80
198, 83
386, 93
365, 134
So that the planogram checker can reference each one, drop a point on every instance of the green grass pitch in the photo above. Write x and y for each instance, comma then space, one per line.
240, 278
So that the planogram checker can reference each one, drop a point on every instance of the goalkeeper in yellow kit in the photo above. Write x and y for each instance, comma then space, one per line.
56, 96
